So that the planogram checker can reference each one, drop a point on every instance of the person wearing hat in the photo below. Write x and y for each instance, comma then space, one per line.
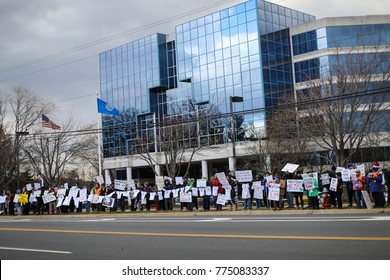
375, 182
358, 185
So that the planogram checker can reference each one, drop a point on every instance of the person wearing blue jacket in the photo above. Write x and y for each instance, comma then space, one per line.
375, 182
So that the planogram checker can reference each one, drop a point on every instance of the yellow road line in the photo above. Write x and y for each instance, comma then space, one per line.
239, 236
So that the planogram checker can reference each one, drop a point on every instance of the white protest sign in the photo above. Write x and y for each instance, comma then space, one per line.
108, 201
160, 182
222, 178
2, 199
66, 186
258, 189
95, 199
100, 179
269, 179
160, 195
152, 195
362, 169
201, 183
244, 176
325, 179
37, 186
228, 192
73, 192
179, 180
333, 184
175, 193
119, 185
367, 199
28, 187
201, 192
345, 175
215, 191
195, 192
167, 193
295, 185
49, 198
66, 201
61, 192
208, 190
290, 167
185, 197
37, 193
274, 192
16, 198
108, 180
59, 203
245, 191
83, 195
131, 184
32, 198
221, 199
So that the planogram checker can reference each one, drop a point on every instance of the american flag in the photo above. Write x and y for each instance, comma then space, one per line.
46, 122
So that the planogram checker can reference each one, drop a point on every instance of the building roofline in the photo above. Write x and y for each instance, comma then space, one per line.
340, 21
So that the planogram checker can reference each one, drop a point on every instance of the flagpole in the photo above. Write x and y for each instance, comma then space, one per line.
99, 139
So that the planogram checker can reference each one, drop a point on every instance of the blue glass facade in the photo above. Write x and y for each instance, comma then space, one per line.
239, 51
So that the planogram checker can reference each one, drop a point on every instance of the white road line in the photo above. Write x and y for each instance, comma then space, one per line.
15, 220
35, 250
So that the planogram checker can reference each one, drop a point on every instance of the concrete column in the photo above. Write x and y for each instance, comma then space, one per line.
158, 169
129, 173
205, 170
232, 164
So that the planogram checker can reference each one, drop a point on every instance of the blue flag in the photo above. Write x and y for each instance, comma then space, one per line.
104, 108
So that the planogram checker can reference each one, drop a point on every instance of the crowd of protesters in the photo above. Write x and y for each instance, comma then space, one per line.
326, 189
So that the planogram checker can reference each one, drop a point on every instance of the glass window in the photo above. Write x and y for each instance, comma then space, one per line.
251, 15
233, 20
225, 23
252, 30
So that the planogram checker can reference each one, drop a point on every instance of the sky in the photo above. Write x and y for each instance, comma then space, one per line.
52, 46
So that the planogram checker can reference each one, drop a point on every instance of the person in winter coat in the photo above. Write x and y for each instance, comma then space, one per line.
375, 182
358, 186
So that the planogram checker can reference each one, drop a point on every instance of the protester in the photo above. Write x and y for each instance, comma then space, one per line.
374, 180
358, 186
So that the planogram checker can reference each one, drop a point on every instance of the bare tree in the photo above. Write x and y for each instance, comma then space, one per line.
348, 102
51, 154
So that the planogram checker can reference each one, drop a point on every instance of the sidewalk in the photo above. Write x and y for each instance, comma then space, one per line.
241, 212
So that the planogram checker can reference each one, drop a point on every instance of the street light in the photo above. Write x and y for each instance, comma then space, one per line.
235, 99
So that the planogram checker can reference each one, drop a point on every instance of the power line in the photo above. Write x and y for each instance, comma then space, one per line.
104, 40
333, 98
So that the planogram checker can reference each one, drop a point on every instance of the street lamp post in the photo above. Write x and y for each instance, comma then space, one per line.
234, 99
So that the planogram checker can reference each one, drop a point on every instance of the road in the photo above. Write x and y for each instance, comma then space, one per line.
278, 237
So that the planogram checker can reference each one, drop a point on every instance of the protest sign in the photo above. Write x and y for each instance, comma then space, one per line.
160, 182
274, 192
28, 187
215, 191
37, 186
309, 183
49, 198
367, 199
295, 185
131, 184
222, 178
73, 192
245, 191
208, 190
100, 179
201, 183
345, 175
244, 176
83, 195
194, 191
221, 199
2, 199
179, 180
66, 201
119, 185
185, 197
108, 180
325, 179
258, 189
228, 192
333, 184
290, 167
